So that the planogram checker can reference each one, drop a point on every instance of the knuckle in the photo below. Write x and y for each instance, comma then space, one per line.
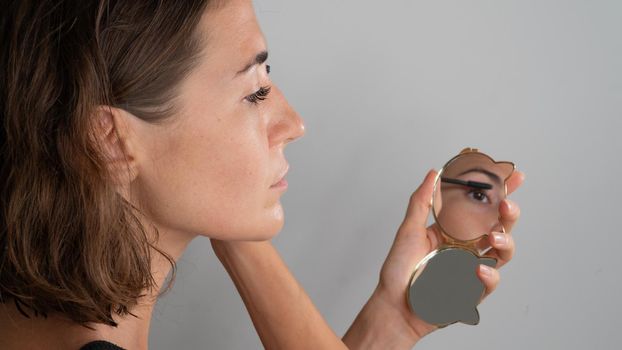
497, 276
494, 281
511, 250
417, 202
421, 205
414, 196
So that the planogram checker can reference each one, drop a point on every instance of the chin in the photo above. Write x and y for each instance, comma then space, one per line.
262, 226
262, 231
267, 231
266, 227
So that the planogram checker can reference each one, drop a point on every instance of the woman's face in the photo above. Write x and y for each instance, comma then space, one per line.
212, 170
471, 212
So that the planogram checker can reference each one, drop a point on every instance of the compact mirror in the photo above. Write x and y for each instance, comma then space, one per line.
471, 187
468, 191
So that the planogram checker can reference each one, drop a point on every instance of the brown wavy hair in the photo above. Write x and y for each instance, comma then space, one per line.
69, 243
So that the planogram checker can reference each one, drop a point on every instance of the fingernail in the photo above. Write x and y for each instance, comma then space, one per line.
499, 238
486, 270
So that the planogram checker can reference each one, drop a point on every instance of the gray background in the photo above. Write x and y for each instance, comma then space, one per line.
390, 89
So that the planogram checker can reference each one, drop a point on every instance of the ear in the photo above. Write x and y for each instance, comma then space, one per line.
111, 133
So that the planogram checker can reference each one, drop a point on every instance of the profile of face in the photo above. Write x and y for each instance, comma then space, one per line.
214, 168
471, 187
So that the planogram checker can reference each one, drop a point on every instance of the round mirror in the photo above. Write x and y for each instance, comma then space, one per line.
468, 192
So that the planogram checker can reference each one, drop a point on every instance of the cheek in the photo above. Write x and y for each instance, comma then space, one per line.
214, 181
456, 216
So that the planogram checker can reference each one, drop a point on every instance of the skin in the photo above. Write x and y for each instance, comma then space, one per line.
208, 172
468, 213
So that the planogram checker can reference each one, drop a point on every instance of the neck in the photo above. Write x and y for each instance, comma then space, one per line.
55, 332
133, 332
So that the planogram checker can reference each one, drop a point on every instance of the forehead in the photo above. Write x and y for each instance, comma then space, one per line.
231, 33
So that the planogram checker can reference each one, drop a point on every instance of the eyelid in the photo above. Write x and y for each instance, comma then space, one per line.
258, 95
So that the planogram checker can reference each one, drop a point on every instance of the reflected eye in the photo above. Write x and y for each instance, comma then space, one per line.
259, 95
479, 196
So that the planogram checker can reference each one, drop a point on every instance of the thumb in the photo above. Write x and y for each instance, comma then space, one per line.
409, 245
419, 205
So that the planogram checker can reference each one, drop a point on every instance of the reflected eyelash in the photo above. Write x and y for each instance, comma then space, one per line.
259, 95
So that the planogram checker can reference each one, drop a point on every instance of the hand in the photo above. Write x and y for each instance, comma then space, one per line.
414, 241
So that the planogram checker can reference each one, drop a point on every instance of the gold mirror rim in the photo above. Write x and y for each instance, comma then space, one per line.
446, 235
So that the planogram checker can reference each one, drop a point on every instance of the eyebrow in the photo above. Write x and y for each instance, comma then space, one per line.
258, 59
494, 177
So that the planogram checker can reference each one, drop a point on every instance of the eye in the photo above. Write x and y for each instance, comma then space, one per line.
259, 95
479, 195
268, 68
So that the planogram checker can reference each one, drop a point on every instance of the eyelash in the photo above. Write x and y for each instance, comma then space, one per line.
260, 94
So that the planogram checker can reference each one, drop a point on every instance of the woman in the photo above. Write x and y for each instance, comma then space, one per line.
132, 127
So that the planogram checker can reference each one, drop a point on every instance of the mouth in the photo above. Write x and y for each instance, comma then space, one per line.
280, 185
281, 182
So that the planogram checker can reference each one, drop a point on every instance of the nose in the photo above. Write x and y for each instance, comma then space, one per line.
287, 125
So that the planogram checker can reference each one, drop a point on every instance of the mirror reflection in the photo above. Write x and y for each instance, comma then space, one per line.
471, 187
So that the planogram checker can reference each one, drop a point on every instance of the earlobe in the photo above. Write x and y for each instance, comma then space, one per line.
110, 132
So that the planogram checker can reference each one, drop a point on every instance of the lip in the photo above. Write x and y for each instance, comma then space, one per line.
281, 185
281, 182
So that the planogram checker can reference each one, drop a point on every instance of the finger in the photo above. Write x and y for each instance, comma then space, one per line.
434, 236
490, 277
503, 244
438, 198
509, 213
419, 204
515, 180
